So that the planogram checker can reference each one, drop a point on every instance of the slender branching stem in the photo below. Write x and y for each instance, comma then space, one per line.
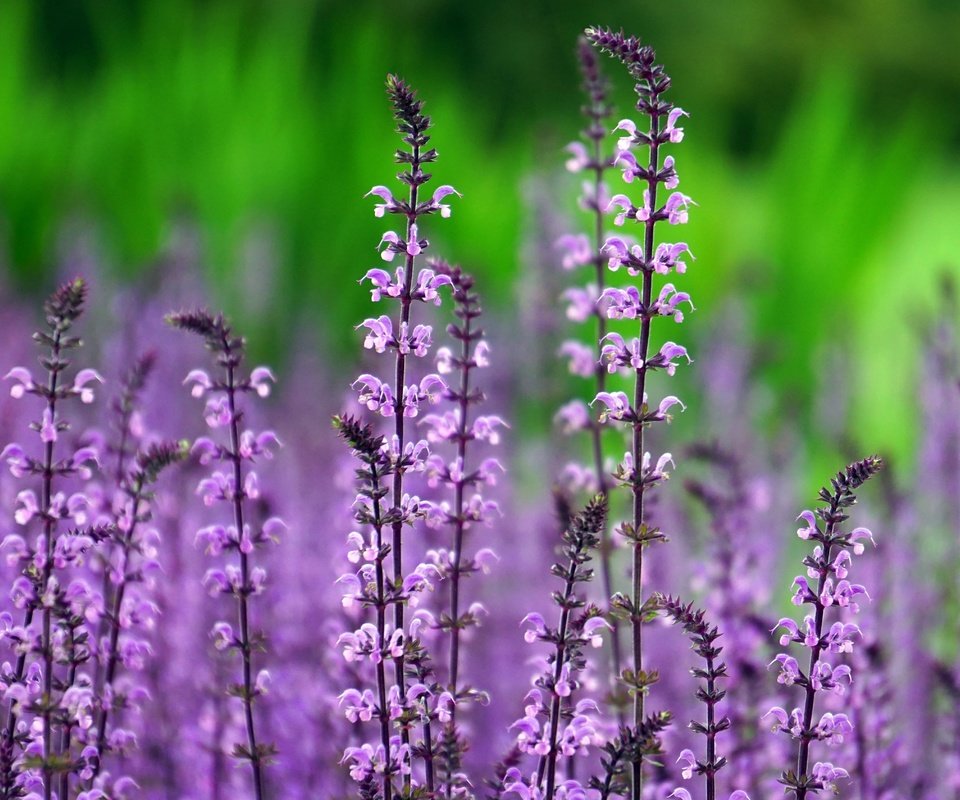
806, 733
246, 644
639, 392
381, 604
598, 114
831, 541
49, 523
548, 763
406, 302
113, 617
703, 637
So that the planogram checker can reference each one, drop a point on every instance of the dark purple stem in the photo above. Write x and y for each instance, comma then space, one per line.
384, 714
406, 299
638, 436
463, 404
113, 617
549, 762
711, 775
246, 646
806, 733
48, 530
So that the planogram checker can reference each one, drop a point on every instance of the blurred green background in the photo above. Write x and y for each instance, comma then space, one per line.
822, 149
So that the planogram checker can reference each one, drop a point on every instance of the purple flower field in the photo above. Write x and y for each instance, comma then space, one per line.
224, 579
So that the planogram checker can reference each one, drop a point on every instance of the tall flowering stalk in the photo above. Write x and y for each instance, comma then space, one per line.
589, 155
464, 476
375, 643
127, 607
402, 339
703, 637
829, 565
735, 566
547, 729
117, 561
44, 587
370, 587
234, 486
646, 259
632, 744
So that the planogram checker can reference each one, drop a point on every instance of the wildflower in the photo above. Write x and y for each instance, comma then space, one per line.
831, 557
55, 606
395, 458
538, 731
640, 157
242, 580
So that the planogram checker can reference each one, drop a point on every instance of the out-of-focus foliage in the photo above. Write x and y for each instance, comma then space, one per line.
822, 149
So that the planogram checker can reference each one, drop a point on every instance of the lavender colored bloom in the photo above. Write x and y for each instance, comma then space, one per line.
633, 355
830, 554
130, 561
464, 513
369, 588
123, 614
403, 400
588, 303
235, 486
48, 690
543, 732
414, 696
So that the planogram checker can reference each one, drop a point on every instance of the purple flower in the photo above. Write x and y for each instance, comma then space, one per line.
626, 142
573, 416
436, 203
389, 204
576, 250
578, 160
582, 358
58, 604
671, 130
640, 158
24, 382
627, 209
617, 405
538, 733
824, 566
241, 580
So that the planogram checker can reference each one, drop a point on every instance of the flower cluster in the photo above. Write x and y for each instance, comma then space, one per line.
234, 486
49, 691
829, 566
553, 724
583, 250
412, 698
370, 588
129, 612
464, 479
590, 156
126, 612
639, 157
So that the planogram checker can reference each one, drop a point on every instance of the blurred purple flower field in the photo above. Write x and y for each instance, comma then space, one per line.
215, 593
